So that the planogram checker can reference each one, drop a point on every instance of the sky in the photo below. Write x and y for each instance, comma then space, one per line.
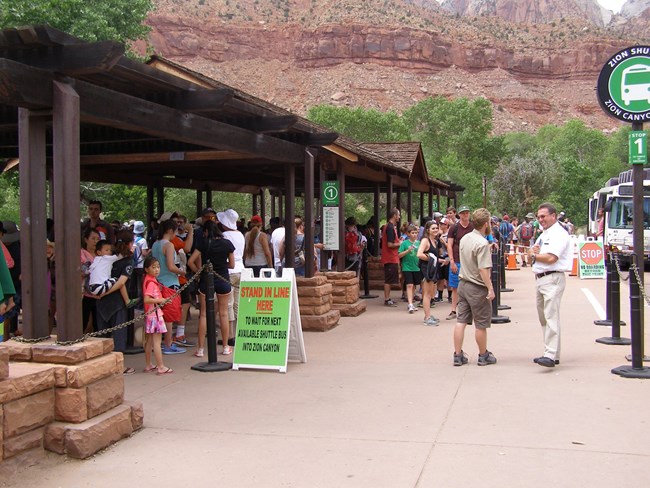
614, 5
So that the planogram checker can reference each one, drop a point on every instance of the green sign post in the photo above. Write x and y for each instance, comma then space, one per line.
638, 147
263, 325
331, 194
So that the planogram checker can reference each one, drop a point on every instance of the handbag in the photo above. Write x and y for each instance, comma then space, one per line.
430, 269
172, 310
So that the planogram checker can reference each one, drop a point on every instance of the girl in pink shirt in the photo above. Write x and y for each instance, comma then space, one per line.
154, 324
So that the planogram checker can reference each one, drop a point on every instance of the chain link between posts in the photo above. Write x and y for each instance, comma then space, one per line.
633, 269
130, 322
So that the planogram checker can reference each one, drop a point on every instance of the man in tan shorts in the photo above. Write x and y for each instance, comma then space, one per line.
475, 292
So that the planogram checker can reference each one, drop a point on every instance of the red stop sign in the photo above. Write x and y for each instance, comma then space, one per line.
591, 253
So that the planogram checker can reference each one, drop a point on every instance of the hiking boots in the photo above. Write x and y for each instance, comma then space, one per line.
486, 359
460, 359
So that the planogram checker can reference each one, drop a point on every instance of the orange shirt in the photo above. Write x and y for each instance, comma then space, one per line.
179, 244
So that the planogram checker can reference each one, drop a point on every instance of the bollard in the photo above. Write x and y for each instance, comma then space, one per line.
613, 305
364, 271
131, 348
212, 364
502, 270
497, 289
612, 298
496, 318
636, 370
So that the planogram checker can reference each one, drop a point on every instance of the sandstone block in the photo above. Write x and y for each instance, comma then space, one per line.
1, 433
119, 361
4, 364
20, 443
18, 351
85, 439
350, 295
28, 413
320, 323
137, 414
344, 283
315, 291
105, 394
52, 353
311, 301
316, 309
350, 309
315, 281
93, 370
339, 275
26, 379
70, 404
108, 344
12, 466
60, 376
54, 437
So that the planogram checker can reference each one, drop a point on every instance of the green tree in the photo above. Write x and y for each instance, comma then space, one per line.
90, 20
361, 124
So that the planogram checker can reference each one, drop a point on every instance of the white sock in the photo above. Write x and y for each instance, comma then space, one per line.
180, 330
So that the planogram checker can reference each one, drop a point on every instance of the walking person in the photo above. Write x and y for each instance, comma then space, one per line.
475, 291
551, 256
455, 234
390, 243
407, 253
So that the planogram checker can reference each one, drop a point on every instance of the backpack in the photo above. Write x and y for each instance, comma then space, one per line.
505, 229
352, 243
527, 231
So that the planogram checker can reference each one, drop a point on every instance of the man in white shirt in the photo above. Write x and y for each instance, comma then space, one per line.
277, 243
551, 256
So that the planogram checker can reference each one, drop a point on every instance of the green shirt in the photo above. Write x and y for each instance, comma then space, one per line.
410, 262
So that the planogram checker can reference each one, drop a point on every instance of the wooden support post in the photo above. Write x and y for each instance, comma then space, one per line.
340, 257
421, 206
208, 197
256, 205
274, 212
150, 206
66, 170
31, 147
376, 218
431, 202
289, 224
160, 199
199, 203
409, 202
309, 212
389, 197
263, 207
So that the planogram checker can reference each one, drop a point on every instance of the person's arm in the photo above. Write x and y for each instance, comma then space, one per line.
393, 241
189, 240
264, 240
121, 281
423, 250
7, 254
168, 251
450, 252
231, 260
403, 253
194, 263
281, 250
485, 276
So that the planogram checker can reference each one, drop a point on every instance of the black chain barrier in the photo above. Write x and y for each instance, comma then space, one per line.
125, 324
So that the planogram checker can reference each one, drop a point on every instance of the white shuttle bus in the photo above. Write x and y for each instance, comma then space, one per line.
616, 199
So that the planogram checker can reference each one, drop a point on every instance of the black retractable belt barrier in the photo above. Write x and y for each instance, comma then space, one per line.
212, 364
496, 318
612, 294
364, 271
636, 370
613, 306
502, 269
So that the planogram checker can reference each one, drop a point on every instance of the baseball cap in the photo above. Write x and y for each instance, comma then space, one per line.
463, 208
256, 219
208, 210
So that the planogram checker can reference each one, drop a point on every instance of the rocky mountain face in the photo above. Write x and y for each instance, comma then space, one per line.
530, 11
635, 8
388, 55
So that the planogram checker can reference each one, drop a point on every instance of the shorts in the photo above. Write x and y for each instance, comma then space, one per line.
473, 306
185, 295
154, 325
220, 287
453, 277
412, 277
444, 272
391, 274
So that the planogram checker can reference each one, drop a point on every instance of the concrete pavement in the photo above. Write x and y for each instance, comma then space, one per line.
379, 404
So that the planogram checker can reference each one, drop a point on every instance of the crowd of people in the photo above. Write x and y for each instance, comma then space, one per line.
128, 269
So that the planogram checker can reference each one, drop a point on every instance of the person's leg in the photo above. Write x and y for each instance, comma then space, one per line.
148, 345
235, 279
409, 293
157, 351
480, 335
552, 289
222, 306
202, 323
459, 335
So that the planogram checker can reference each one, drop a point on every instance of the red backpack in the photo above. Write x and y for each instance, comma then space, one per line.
527, 231
352, 243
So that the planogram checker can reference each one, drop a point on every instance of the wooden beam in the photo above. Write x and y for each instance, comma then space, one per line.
199, 101
160, 157
344, 153
268, 125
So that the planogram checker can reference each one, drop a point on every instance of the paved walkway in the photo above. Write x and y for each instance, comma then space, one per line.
379, 404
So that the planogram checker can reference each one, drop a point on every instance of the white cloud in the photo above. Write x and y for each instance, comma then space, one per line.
614, 5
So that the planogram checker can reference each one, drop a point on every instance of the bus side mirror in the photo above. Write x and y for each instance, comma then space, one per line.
608, 206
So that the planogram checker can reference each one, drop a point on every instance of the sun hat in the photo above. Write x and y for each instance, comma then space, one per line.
138, 227
228, 219
463, 208
165, 216
12, 234
530, 215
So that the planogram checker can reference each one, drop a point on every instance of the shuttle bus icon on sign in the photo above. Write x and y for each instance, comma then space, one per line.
635, 84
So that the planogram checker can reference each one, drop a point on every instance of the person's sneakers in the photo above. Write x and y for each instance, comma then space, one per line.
451, 316
133, 302
449, 299
460, 359
172, 350
485, 359
404, 299
227, 351
432, 303
390, 303
431, 321
417, 298
183, 342
548, 362
199, 352
411, 308
437, 299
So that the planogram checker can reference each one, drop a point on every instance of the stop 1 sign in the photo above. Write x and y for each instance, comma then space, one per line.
591, 253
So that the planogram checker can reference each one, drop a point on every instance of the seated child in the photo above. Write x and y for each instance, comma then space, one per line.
100, 281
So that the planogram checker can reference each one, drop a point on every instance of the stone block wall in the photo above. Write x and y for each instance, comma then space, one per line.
376, 274
315, 300
67, 399
345, 293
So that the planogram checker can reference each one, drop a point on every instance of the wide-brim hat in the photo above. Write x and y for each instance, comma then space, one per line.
228, 219
12, 234
463, 208
138, 227
165, 216
530, 215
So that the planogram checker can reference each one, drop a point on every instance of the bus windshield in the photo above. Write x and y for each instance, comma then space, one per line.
620, 217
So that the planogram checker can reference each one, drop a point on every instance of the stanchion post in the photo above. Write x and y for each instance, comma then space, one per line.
502, 273
613, 308
496, 318
364, 270
498, 288
212, 364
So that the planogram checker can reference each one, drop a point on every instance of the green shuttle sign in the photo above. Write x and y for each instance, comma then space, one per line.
638, 147
624, 85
